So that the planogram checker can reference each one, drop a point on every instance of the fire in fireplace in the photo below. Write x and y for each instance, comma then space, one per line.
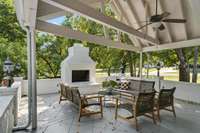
80, 75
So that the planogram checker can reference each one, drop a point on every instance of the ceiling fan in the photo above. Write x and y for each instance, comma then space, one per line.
158, 19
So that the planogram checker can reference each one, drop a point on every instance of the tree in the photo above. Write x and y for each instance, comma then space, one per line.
184, 71
51, 51
9, 28
195, 69
12, 38
106, 58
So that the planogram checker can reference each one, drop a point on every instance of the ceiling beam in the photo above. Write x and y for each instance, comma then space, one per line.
88, 12
122, 14
47, 12
69, 33
44, 12
174, 45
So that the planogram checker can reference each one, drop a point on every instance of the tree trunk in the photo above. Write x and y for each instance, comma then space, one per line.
184, 71
123, 69
134, 69
109, 71
195, 70
131, 67
130, 62
147, 64
138, 74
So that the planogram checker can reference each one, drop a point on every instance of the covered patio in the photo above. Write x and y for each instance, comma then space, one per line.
46, 115
62, 118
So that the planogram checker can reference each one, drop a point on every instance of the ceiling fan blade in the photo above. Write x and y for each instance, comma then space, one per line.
143, 26
140, 22
175, 20
162, 27
165, 14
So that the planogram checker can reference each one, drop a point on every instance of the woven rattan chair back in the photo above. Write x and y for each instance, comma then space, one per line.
144, 103
166, 97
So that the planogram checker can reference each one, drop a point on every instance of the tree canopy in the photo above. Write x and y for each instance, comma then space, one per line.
51, 50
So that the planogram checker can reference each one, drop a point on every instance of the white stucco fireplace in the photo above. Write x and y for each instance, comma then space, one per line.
78, 69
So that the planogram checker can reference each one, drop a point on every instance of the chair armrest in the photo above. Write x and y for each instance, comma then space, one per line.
73, 87
126, 94
126, 99
89, 94
91, 97
127, 91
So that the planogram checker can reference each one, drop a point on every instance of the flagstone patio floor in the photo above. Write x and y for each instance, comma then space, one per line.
62, 118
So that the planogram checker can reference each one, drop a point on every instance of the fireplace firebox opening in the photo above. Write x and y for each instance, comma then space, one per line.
80, 75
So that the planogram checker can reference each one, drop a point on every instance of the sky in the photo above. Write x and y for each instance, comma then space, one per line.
57, 21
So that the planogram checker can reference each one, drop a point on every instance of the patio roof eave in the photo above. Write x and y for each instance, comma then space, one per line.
173, 45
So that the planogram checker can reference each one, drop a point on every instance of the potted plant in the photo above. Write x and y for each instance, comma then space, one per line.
109, 85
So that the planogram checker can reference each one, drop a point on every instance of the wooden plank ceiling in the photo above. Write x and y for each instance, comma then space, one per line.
134, 12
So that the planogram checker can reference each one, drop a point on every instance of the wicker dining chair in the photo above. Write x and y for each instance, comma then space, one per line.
63, 93
143, 105
73, 95
165, 100
83, 103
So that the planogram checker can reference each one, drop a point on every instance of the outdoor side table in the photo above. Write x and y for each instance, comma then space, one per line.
110, 94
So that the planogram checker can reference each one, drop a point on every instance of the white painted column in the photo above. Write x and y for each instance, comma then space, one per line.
34, 88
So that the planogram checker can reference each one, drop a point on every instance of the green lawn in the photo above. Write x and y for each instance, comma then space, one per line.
167, 73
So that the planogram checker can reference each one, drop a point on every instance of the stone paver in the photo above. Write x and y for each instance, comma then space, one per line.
62, 118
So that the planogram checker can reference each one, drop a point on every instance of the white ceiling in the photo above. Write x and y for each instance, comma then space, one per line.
133, 12
188, 9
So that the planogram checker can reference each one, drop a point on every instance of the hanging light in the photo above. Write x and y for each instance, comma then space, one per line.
156, 25
8, 66
158, 67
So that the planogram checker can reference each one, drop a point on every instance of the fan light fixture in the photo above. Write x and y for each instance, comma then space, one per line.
156, 25
157, 21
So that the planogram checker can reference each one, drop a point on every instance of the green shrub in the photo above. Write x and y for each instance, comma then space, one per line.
110, 83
